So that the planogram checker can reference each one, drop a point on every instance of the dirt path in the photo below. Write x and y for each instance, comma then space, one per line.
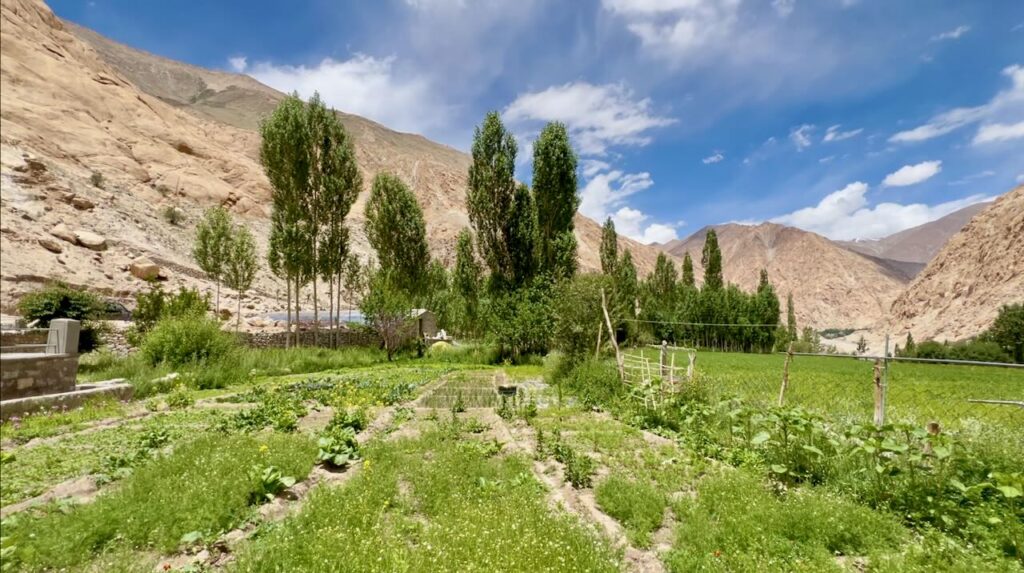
583, 504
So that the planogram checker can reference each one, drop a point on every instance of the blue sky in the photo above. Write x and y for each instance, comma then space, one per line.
850, 118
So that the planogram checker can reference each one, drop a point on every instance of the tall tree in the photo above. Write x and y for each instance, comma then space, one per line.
522, 237
711, 259
310, 163
554, 189
765, 312
687, 278
467, 279
240, 271
212, 247
396, 230
609, 247
491, 197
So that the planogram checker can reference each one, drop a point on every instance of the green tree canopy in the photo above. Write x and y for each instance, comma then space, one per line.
687, 279
491, 197
240, 271
711, 259
212, 247
554, 189
396, 230
609, 247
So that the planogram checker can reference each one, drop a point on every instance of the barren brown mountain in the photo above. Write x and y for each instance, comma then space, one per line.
831, 286
100, 142
917, 244
981, 268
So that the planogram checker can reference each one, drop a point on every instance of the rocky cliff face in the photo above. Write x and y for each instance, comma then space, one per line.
101, 140
981, 268
831, 286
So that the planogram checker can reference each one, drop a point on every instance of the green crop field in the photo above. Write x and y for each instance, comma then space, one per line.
844, 386
349, 462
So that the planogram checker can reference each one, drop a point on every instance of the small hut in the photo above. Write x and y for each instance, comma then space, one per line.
424, 323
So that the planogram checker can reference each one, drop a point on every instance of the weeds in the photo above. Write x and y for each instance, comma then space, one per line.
639, 507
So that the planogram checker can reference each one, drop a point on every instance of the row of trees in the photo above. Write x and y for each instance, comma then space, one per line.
668, 304
226, 252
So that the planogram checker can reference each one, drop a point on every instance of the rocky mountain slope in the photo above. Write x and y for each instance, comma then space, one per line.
979, 269
918, 244
100, 141
831, 286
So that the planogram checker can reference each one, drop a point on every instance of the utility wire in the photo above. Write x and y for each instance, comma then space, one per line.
700, 323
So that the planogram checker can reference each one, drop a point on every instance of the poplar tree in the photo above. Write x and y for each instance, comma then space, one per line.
554, 190
241, 267
491, 197
687, 278
212, 246
609, 247
397, 232
790, 317
467, 279
711, 259
522, 237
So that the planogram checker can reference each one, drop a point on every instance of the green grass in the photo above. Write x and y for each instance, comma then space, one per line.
203, 486
474, 389
844, 386
638, 506
33, 470
47, 423
431, 504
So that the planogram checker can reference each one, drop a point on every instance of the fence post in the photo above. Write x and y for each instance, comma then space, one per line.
597, 351
785, 375
611, 336
661, 358
885, 377
879, 397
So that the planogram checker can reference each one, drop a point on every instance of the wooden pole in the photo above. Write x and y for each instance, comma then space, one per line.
690, 368
879, 406
611, 336
597, 351
785, 375
661, 358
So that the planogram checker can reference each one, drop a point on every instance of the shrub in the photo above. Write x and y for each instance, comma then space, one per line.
58, 300
155, 304
96, 179
180, 399
595, 382
172, 215
181, 341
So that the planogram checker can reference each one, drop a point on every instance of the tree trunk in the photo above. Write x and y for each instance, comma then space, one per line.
238, 312
288, 308
218, 299
298, 313
330, 311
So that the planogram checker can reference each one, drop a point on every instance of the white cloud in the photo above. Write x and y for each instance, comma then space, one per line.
953, 34
1007, 104
238, 63
784, 7
676, 28
912, 174
1020, 178
592, 167
833, 133
598, 116
362, 85
607, 191
995, 132
714, 158
801, 136
973, 177
631, 223
827, 159
845, 214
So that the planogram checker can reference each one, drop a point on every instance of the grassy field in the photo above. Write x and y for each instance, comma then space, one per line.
245, 477
844, 386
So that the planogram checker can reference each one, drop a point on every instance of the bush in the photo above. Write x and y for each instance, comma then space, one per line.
155, 304
58, 300
595, 382
637, 506
173, 215
96, 179
181, 341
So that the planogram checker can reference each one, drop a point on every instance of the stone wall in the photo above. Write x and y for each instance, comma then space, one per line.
278, 339
23, 375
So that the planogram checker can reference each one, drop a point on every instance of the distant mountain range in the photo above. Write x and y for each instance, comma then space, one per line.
918, 244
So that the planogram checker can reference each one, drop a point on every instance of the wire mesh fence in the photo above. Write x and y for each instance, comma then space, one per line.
851, 387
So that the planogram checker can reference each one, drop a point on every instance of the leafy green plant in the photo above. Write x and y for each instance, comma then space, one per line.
639, 507
267, 482
180, 398
58, 300
338, 447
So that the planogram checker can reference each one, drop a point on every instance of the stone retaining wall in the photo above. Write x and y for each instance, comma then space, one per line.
23, 375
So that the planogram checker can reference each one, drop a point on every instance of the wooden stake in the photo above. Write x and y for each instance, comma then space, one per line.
597, 351
611, 336
691, 368
785, 375
661, 358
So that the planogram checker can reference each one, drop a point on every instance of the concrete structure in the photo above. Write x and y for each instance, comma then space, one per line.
35, 380
424, 323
